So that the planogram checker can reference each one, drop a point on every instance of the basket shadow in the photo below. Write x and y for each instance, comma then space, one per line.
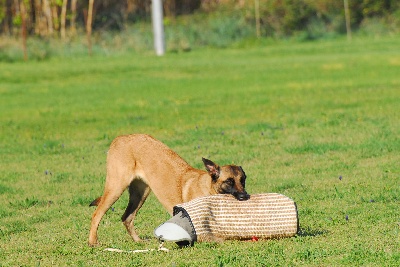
311, 232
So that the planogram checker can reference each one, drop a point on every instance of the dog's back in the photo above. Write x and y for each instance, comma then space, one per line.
163, 170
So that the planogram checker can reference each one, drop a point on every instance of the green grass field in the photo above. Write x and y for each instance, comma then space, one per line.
318, 122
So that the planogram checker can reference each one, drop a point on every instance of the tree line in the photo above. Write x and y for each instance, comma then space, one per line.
64, 17
48, 17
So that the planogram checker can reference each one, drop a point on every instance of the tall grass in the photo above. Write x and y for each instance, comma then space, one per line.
317, 122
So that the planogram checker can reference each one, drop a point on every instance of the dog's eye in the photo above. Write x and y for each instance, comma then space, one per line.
230, 181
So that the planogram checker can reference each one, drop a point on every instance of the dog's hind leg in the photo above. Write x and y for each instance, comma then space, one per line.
103, 204
138, 192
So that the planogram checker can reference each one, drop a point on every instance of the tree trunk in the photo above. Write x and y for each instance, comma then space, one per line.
63, 18
38, 16
73, 18
257, 17
22, 10
7, 24
170, 8
47, 13
347, 16
89, 26
54, 12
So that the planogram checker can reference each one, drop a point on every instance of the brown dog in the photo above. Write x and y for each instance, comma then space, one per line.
143, 164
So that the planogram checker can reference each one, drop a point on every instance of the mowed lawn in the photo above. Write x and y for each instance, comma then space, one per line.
318, 122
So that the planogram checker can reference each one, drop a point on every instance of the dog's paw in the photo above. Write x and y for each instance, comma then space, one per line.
94, 244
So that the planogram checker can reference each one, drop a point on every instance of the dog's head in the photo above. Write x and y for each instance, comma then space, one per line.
228, 179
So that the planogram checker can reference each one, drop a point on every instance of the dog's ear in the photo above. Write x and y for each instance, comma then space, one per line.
212, 168
242, 171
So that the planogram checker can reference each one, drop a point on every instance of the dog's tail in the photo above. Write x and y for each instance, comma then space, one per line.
95, 202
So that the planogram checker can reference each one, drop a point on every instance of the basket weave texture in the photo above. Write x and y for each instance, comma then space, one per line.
222, 217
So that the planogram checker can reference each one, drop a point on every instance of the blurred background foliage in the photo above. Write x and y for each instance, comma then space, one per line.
57, 27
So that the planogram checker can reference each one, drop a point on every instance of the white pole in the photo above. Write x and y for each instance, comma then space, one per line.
158, 27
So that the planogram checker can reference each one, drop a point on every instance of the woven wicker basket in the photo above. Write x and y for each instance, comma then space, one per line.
222, 217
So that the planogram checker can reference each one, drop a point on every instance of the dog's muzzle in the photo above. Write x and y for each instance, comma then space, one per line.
241, 196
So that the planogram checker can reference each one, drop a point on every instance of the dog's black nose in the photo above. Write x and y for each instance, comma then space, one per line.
242, 196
